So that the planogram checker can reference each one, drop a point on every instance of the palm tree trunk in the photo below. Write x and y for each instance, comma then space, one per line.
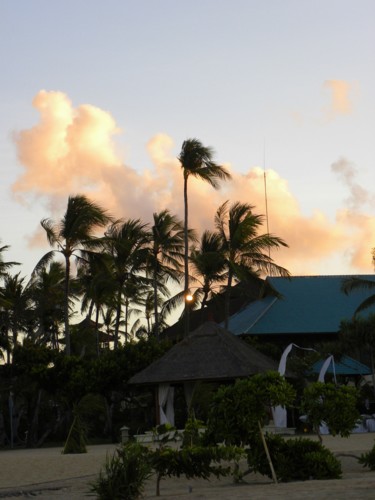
118, 314
227, 299
97, 329
66, 306
156, 312
186, 258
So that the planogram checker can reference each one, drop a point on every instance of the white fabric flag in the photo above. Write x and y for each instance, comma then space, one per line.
282, 364
324, 369
279, 415
170, 406
163, 396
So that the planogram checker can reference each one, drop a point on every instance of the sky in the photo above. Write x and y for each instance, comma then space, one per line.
98, 97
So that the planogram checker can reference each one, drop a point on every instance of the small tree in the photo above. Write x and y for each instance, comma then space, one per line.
237, 410
337, 406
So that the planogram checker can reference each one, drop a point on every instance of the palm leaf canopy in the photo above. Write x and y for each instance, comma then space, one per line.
196, 160
356, 283
81, 218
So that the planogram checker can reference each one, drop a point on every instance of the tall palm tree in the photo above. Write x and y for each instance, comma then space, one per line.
358, 283
74, 232
196, 161
167, 254
126, 243
246, 252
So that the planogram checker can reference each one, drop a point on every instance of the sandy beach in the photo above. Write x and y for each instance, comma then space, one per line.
46, 473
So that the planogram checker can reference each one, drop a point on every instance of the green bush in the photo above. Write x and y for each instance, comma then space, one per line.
368, 459
124, 474
335, 405
193, 462
294, 459
236, 410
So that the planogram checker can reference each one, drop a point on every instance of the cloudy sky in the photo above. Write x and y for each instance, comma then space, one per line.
97, 98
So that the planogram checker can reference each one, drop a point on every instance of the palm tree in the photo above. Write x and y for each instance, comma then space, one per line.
196, 161
357, 283
5, 266
73, 233
208, 266
246, 252
126, 243
15, 314
167, 254
97, 287
46, 289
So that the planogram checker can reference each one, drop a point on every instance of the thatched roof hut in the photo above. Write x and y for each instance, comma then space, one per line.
210, 353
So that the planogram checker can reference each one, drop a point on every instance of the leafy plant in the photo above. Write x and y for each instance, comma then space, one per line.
76, 440
337, 406
368, 459
191, 435
237, 410
294, 459
124, 474
193, 462
89, 405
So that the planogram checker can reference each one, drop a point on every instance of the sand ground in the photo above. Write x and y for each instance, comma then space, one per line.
46, 473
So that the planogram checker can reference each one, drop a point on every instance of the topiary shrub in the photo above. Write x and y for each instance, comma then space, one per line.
124, 474
294, 459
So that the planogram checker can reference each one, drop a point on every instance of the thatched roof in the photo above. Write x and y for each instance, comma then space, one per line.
210, 353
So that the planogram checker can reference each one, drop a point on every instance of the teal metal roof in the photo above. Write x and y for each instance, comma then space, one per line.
308, 305
345, 366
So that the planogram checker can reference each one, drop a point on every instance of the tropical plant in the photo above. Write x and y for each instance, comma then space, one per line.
238, 410
124, 474
46, 289
294, 459
332, 404
368, 459
15, 313
359, 332
83, 411
196, 161
247, 253
353, 283
73, 233
126, 243
208, 266
193, 462
97, 287
5, 266
166, 256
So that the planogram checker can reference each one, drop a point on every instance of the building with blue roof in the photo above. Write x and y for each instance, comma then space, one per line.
307, 309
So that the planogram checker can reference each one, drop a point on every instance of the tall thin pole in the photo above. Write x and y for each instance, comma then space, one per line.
265, 193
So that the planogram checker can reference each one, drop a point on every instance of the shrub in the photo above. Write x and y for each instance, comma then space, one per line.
124, 474
368, 459
294, 459
76, 440
237, 410
191, 435
337, 406
193, 462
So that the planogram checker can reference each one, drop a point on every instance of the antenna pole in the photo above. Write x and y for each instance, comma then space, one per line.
265, 192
